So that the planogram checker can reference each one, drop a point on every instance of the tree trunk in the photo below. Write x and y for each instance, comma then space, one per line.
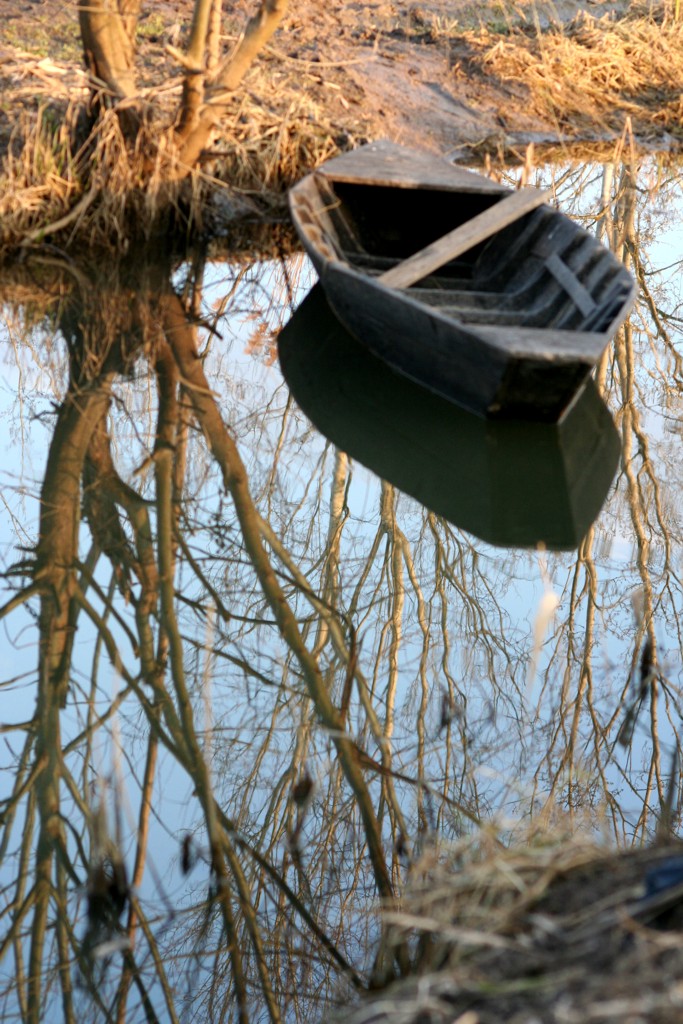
230, 73
108, 33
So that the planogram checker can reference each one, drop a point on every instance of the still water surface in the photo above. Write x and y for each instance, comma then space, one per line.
247, 680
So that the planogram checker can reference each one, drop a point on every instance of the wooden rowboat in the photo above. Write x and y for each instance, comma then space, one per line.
489, 297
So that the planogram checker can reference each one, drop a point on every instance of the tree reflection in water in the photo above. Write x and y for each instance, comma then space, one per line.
265, 681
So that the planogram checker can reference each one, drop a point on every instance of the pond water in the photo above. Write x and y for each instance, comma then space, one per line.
253, 671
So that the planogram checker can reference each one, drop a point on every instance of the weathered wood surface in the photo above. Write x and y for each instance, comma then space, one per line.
554, 345
464, 237
386, 163
571, 284
312, 218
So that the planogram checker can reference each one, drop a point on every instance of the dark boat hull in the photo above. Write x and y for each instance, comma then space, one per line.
455, 362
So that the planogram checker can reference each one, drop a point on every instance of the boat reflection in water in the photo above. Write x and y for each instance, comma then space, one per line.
510, 483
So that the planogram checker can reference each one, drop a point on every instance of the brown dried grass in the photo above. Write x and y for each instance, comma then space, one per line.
101, 192
593, 73
589, 79
555, 928
265, 149
98, 193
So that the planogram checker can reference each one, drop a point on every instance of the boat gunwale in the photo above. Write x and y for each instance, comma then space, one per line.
418, 186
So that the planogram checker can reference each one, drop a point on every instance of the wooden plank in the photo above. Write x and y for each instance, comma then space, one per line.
308, 204
312, 219
567, 279
464, 237
387, 163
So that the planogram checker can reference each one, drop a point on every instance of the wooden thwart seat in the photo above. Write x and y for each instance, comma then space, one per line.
464, 237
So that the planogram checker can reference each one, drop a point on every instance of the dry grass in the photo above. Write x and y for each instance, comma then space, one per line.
591, 75
103, 194
554, 930
266, 149
53, 188
99, 192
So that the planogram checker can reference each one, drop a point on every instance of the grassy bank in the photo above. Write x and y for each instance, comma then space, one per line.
80, 183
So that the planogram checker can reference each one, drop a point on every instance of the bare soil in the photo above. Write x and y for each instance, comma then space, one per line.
371, 68
502, 81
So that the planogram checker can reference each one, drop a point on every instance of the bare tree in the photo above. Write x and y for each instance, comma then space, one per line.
108, 29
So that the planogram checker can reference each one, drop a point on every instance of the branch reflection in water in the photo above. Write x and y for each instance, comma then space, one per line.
246, 683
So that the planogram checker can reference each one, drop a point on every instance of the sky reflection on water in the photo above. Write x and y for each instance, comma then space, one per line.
481, 681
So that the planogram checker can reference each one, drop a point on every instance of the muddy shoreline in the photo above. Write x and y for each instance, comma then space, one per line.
371, 68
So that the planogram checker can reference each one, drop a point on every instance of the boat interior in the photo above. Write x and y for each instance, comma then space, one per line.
542, 271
